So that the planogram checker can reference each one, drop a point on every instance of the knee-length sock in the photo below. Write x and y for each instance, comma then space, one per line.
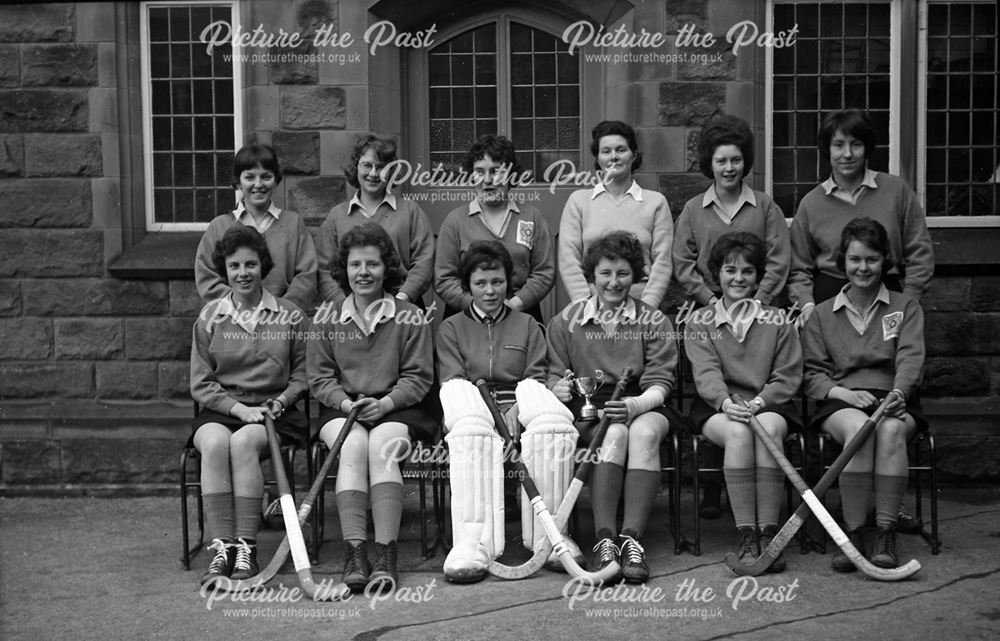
641, 487
352, 508
770, 486
605, 491
387, 510
889, 491
856, 498
220, 516
248, 516
741, 486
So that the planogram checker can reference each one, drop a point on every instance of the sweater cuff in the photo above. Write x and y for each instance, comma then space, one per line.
399, 398
651, 398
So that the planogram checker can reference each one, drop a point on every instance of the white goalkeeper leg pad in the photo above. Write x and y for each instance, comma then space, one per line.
475, 453
548, 445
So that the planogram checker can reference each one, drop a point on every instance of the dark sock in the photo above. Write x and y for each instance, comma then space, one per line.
352, 508
641, 487
220, 518
605, 491
855, 498
770, 485
387, 510
889, 491
741, 486
248, 516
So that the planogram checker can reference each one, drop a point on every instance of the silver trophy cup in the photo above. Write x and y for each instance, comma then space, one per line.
587, 386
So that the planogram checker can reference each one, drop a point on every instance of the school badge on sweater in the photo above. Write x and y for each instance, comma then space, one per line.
890, 325
526, 233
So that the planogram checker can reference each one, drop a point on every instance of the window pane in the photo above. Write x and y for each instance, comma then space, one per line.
191, 109
439, 70
545, 69
545, 101
461, 70
962, 103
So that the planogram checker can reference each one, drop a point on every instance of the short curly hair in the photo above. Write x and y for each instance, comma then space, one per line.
725, 130
615, 128
612, 246
740, 244
369, 235
485, 254
499, 148
256, 155
869, 233
852, 122
385, 148
236, 237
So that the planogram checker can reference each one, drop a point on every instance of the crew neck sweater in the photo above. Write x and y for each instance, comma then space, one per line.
698, 228
586, 219
888, 355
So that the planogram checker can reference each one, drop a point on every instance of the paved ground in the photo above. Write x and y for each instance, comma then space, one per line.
104, 568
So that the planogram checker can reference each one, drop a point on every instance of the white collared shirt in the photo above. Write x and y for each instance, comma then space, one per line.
388, 199
634, 190
608, 319
711, 199
247, 319
476, 209
746, 310
368, 319
860, 320
833, 189
273, 212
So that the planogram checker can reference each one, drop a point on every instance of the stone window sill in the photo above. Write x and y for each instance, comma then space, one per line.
159, 256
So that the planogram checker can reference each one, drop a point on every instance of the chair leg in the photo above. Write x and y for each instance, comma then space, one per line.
185, 553
697, 494
189, 550
935, 539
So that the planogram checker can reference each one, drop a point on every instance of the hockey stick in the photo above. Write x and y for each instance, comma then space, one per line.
798, 518
859, 561
281, 554
554, 524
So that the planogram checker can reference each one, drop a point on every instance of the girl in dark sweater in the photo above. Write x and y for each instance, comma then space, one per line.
739, 346
865, 344
374, 353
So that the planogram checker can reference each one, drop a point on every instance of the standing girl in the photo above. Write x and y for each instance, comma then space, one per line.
616, 203
256, 174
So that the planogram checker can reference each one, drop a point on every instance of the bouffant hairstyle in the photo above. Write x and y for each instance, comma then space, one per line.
499, 148
485, 254
383, 146
236, 237
869, 233
615, 245
851, 122
256, 155
614, 128
725, 130
738, 244
369, 235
